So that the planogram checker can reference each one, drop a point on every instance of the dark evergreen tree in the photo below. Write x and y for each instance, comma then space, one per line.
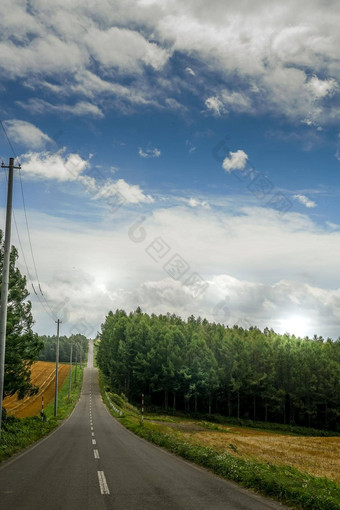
22, 345
208, 367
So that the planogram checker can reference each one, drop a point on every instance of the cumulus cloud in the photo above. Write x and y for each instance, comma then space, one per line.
58, 166
305, 201
134, 49
235, 161
149, 153
128, 193
284, 60
261, 269
194, 202
26, 133
229, 100
322, 88
215, 105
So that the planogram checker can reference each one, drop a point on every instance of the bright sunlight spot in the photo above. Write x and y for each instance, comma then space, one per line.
295, 325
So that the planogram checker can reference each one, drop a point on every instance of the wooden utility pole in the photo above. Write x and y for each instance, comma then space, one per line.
5, 278
75, 371
69, 380
56, 370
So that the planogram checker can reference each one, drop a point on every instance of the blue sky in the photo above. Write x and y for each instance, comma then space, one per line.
180, 157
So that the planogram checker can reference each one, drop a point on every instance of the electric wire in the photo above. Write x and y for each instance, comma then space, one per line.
45, 304
28, 272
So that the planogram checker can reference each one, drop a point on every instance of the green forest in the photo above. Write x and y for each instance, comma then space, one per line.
202, 367
48, 353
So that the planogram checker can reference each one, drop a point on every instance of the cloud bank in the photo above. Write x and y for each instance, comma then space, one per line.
279, 59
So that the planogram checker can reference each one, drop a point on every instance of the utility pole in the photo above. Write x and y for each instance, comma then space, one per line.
75, 371
5, 278
58, 322
69, 380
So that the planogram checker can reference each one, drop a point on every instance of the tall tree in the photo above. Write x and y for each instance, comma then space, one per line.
247, 373
22, 345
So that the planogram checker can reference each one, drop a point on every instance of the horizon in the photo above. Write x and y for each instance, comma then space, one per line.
183, 159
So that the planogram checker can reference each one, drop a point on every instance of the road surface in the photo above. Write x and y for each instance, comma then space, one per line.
92, 463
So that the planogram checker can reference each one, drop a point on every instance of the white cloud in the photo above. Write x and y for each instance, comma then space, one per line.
194, 202
228, 100
235, 161
173, 104
128, 193
134, 49
322, 88
215, 105
149, 153
44, 55
190, 71
79, 109
53, 166
284, 60
305, 201
26, 133
250, 257
236, 100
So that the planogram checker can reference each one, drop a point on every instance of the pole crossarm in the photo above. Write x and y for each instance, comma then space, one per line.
9, 166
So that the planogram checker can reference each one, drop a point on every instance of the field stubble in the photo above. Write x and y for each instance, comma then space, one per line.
317, 456
43, 376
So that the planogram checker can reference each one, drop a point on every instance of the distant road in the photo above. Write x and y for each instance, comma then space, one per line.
92, 463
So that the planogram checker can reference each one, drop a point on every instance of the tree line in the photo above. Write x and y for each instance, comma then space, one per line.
48, 352
198, 366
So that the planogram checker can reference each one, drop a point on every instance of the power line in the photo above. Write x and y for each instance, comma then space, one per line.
49, 312
9, 141
43, 302
27, 227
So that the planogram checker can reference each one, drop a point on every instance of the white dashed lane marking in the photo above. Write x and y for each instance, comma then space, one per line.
96, 454
104, 489
94, 441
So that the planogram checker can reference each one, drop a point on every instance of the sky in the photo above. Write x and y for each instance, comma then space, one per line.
183, 157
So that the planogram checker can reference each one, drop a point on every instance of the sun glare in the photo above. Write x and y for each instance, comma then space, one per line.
295, 325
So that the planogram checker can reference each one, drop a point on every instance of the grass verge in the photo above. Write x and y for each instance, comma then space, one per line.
218, 419
283, 483
17, 434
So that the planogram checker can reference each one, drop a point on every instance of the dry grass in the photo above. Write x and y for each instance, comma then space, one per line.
318, 456
43, 375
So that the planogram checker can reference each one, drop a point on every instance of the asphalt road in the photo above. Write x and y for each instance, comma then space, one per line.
92, 462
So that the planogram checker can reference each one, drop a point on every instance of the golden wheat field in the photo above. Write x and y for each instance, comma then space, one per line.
318, 456
43, 375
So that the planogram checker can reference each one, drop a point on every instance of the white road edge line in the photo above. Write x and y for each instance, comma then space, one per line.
96, 454
104, 489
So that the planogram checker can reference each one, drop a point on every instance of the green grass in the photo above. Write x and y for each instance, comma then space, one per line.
280, 428
18, 434
286, 484
66, 405
283, 483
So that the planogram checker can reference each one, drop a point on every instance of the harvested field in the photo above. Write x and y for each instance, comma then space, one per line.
43, 375
318, 456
